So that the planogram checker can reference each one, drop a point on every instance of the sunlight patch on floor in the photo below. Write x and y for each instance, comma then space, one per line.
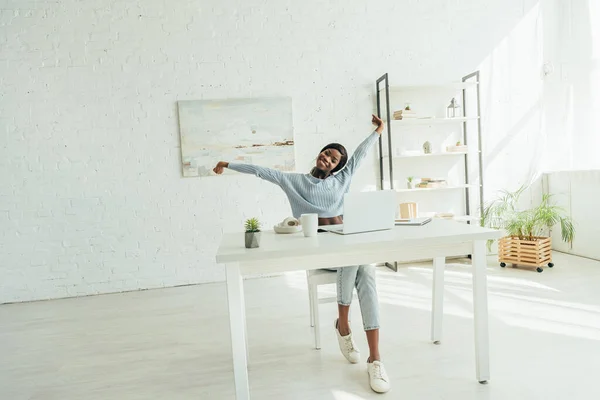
339, 395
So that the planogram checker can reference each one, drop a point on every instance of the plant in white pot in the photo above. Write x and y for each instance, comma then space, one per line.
527, 241
252, 238
410, 182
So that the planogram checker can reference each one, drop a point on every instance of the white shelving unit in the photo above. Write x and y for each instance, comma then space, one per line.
402, 153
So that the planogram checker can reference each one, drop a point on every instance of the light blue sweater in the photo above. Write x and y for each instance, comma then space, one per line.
308, 194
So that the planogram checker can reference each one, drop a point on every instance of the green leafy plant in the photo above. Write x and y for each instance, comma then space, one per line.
538, 221
410, 179
503, 213
497, 212
252, 225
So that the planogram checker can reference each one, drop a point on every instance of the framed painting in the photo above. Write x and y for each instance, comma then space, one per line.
252, 131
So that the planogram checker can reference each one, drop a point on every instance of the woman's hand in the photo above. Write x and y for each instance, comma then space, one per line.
219, 168
377, 121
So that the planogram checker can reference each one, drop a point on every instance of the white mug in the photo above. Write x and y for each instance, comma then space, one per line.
310, 224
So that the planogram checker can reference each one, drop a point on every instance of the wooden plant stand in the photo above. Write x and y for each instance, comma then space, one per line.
533, 253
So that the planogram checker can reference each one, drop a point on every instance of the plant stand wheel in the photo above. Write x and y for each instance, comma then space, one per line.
550, 265
539, 269
503, 264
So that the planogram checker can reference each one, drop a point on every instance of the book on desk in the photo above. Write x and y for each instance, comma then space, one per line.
412, 221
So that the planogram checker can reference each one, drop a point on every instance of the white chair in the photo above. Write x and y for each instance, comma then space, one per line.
315, 278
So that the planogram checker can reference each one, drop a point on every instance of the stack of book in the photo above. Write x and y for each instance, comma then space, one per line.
432, 183
444, 215
457, 148
404, 114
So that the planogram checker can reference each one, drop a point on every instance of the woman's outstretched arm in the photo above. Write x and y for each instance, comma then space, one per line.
268, 174
362, 149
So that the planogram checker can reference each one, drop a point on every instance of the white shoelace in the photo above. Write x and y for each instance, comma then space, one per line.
349, 343
378, 373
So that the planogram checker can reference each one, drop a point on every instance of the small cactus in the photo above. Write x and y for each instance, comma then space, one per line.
252, 225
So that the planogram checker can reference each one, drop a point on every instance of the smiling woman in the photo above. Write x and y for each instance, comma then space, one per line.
322, 192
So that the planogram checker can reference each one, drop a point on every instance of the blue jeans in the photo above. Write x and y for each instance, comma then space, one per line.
361, 277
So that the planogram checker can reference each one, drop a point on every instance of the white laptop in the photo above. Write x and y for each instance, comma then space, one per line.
367, 212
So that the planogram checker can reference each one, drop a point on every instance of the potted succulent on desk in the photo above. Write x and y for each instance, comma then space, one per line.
252, 233
527, 241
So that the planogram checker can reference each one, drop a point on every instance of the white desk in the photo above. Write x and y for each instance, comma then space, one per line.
280, 253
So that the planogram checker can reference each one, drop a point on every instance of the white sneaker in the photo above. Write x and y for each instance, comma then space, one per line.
347, 346
378, 378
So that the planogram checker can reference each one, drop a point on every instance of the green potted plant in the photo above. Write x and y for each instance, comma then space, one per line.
527, 241
252, 238
410, 182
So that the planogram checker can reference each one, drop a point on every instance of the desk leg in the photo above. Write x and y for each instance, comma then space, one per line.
237, 325
437, 303
482, 351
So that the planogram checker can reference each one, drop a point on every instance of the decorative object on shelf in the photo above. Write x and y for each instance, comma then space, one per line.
405, 113
527, 242
457, 148
252, 236
427, 147
432, 183
410, 182
453, 110
409, 210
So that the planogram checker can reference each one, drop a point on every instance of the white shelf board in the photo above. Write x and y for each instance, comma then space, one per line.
435, 188
441, 154
448, 85
431, 121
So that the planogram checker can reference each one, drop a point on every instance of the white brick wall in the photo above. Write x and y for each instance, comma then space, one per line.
91, 194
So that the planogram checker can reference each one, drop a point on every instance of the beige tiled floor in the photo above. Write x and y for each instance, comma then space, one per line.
174, 343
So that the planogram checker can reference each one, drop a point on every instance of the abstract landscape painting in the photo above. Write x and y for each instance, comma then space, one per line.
252, 131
